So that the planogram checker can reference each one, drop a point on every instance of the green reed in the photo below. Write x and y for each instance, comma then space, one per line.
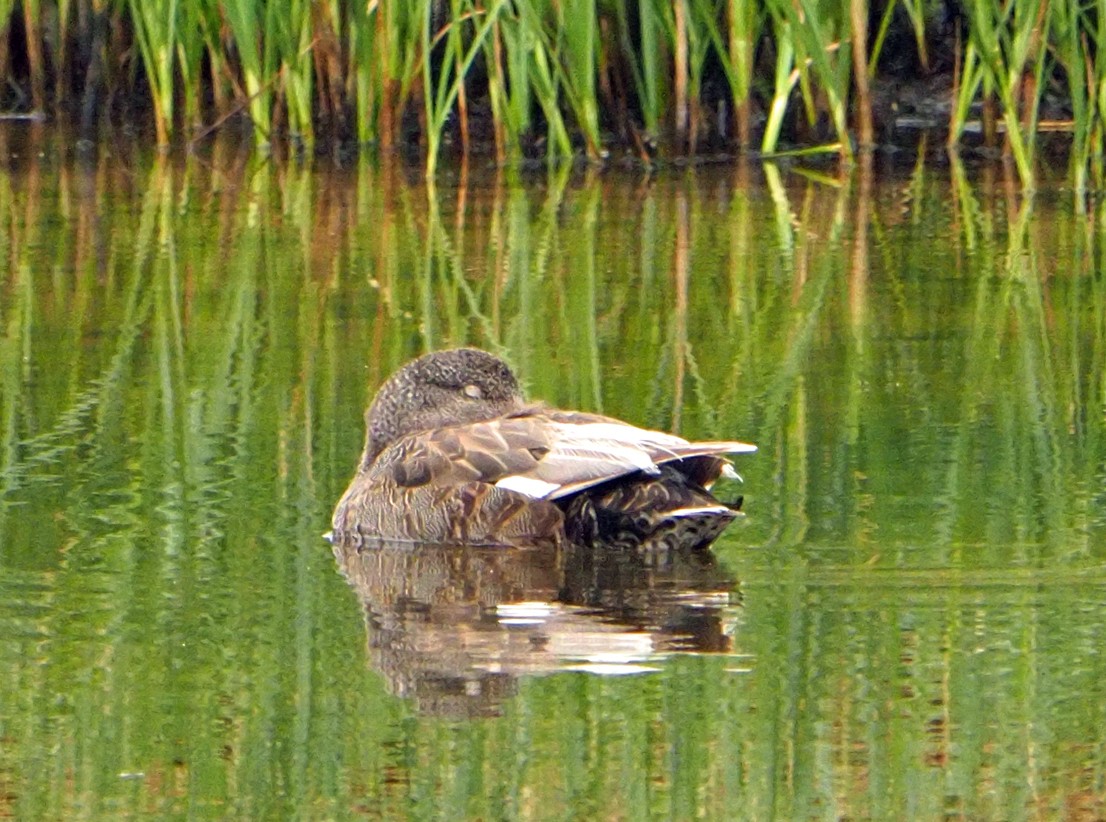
649, 83
458, 54
534, 64
155, 26
579, 23
743, 18
1010, 43
6, 7
294, 42
703, 32
810, 55
1080, 51
556, 78
244, 20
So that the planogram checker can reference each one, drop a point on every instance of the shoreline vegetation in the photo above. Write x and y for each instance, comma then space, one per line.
547, 80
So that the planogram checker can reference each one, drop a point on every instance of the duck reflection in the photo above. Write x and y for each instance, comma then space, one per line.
453, 628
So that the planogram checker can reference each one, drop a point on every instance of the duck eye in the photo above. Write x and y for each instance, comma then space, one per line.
473, 392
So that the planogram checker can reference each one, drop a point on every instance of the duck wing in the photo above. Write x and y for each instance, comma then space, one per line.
583, 450
544, 454
478, 452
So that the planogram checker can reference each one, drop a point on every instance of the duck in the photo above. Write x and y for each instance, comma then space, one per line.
455, 454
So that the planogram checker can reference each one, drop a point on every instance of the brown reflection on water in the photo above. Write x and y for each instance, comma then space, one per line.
454, 628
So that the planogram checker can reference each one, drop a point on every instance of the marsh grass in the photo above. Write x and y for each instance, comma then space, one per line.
553, 79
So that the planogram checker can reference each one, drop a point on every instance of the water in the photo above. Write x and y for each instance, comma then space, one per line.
907, 624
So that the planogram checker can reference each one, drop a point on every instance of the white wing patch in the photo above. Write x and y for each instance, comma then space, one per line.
528, 486
729, 472
694, 512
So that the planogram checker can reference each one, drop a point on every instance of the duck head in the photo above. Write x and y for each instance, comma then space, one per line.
444, 388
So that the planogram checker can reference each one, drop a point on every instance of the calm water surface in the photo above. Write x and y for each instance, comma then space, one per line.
908, 624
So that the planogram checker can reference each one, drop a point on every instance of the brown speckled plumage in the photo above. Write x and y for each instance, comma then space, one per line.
454, 453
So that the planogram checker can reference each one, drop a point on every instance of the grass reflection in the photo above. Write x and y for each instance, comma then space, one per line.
187, 349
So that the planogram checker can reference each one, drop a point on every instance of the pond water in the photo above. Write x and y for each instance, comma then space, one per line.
907, 624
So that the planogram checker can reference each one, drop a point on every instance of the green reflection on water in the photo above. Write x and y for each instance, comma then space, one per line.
186, 351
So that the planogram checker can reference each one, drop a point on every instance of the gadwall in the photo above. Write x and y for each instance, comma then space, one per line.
455, 454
